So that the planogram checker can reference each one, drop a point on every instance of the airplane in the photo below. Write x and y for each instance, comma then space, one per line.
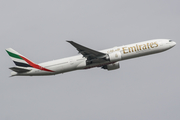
88, 58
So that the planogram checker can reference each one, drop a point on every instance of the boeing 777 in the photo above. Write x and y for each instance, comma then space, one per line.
88, 58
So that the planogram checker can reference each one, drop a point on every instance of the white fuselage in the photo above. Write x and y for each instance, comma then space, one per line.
126, 51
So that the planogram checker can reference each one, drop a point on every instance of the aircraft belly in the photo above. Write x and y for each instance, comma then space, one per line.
64, 68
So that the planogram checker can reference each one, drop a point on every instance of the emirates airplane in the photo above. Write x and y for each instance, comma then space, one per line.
88, 58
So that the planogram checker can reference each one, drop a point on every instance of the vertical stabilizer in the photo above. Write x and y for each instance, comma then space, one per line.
23, 62
17, 58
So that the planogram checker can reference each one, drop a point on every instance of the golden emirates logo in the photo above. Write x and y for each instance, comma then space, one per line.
139, 47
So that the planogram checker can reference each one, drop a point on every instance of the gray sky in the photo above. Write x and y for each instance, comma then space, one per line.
145, 88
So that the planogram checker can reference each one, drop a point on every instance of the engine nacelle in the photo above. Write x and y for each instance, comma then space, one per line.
111, 66
115, 56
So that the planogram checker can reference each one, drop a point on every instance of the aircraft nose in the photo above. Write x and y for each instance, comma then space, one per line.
173, 43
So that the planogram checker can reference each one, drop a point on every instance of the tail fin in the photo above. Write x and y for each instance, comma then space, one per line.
22, 61
17, 58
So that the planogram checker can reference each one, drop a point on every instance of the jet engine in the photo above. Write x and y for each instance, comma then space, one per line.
111, 66
115, 56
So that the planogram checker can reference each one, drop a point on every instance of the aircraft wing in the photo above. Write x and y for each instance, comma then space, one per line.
87, 52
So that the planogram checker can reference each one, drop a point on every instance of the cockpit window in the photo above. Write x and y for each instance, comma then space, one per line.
170, 40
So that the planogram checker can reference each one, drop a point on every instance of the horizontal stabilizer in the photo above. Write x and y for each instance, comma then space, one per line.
19, 70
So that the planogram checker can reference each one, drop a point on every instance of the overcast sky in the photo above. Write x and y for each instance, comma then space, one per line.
146, 88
